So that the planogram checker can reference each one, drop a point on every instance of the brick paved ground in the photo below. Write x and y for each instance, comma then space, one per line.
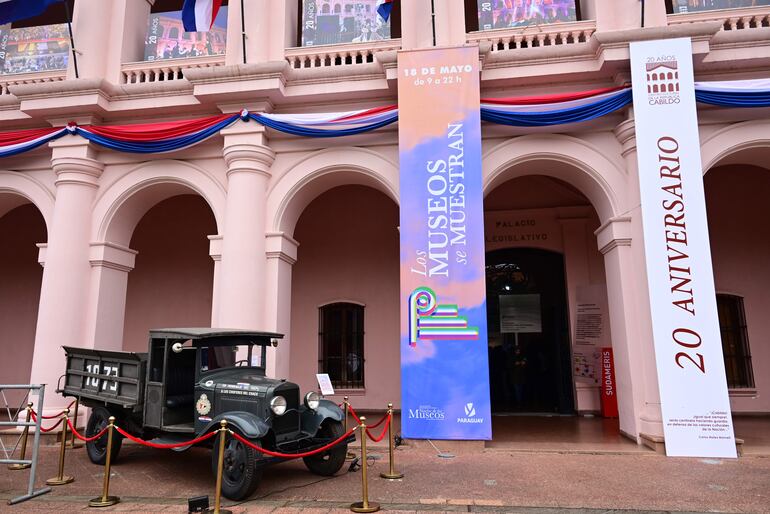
493, 480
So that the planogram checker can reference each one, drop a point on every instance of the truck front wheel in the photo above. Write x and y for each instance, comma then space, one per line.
328, 462
240, 472
97, 449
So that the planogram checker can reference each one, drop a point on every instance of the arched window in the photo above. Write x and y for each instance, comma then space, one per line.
341, 344
173, 33
735, 341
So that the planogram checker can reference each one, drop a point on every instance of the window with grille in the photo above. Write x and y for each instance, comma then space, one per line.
735, 341
341, 344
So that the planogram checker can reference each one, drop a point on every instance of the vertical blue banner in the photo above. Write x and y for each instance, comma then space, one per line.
444, 368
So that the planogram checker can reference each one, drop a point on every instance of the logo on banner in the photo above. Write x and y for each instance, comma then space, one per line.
470, 415
429, 320
427, 412
663, 80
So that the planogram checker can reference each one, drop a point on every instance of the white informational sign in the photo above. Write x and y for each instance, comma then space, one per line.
325, 384
591, 332
520, 314
688, 350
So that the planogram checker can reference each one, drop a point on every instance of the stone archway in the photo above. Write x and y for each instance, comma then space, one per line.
22, 229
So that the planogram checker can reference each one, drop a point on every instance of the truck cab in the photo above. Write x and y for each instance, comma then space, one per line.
187, 382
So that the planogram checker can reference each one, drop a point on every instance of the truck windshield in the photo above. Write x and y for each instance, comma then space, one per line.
217, 357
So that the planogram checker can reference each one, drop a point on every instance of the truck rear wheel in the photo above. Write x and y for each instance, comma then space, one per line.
97, 449
328, 463
240, 471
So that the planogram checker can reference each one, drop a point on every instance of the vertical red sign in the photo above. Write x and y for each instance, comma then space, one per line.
609, 391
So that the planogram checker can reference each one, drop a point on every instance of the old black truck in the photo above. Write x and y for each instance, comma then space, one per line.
189, 380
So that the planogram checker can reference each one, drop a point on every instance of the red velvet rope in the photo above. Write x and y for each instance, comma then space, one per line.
292, 455
62, 412
84, 438
45, 430
165, 446
358, 420
382, 435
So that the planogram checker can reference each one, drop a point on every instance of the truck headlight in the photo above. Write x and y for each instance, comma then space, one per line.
312, 400
278, 405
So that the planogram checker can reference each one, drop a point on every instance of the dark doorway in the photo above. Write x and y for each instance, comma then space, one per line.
529, 349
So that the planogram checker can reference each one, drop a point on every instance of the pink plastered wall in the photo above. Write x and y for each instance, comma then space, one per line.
738, 214
20, 278
172, 282
348, 251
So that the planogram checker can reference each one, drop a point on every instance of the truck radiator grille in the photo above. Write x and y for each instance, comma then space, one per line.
289, 422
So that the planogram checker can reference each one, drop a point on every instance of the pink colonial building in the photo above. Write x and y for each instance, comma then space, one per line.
254, 228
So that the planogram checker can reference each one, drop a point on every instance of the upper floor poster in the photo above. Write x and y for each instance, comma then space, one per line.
33, 49
353, 21
500, 14
683, 6
166, 38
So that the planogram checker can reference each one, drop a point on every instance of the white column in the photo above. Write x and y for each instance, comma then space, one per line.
241, 294
450, 22
110, 264
281, 256
416, 24
64, 294
215, 252
630, 277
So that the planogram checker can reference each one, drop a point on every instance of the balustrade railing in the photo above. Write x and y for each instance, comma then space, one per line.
164, 70
30, 78
349, 54
556, 34
732, 19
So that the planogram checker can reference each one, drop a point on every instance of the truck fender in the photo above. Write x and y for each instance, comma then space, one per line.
248, 424
312, 419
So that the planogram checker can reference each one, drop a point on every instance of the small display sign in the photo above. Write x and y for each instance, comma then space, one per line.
325, 384
520, 314
166, 38
501, 14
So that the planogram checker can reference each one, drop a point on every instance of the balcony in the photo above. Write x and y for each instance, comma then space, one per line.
336, 56
732, 19
557, 34
166, 70
30, 78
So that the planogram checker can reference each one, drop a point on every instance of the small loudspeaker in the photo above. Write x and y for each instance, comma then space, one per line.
198, 504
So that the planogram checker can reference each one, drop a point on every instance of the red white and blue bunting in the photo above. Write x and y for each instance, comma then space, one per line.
535, 111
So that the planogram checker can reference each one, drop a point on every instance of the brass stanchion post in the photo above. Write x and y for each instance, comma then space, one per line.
61, 479
364, 505
346, 408
392, 474
105, 500
24, 436
74, 442
220, 470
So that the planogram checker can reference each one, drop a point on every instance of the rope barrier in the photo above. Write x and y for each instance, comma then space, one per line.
382, 435
358, 421
49, 429
60, 413
165, 446
292, 455
84, 438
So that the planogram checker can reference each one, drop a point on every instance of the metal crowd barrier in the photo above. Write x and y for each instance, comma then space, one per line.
8, 452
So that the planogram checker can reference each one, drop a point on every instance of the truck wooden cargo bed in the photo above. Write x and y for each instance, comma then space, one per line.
105, 377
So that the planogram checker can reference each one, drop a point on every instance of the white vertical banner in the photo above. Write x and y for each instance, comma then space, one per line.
688, 349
